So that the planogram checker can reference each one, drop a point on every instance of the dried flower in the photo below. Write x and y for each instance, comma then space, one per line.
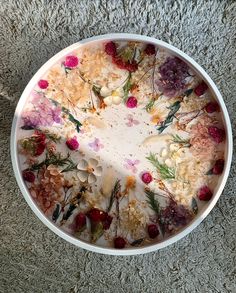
173, 73
88, 170
43, 84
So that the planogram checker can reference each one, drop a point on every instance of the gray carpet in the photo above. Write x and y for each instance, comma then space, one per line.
32, 258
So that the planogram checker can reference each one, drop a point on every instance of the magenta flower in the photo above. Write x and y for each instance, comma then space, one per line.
44, 113
72, 143
43, 84
131, 165
96, 145
131, 121
131, 102
71, 61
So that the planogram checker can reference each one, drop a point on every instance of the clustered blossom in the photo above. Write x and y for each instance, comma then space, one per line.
44, 113
173, 73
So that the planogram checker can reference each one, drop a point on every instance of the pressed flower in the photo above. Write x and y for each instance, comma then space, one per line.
110, 49
28, 176
72, 143
204, 193
218, 167
173, 73
119, 242
96, 145
150, 49
217, 134
79, 222
146, 177
212, 107
43, 84
89, 170
131, 165
200, 89
71, 61
131, 102
131, 121
153, 231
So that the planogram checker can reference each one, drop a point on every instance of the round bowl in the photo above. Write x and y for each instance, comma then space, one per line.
204, 211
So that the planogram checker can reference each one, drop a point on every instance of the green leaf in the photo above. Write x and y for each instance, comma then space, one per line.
75, 121
153, 203
209, 172
96, 231
194, 206
69, 212
55, 159
164, 171
114, 193
96, 90
27, 127
56, 213
188, 92
170, 117
150, 105
127, 87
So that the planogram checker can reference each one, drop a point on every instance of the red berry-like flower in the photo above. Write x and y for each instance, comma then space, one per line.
200, 89
80, 221
28, 176
131, 67
40, 147
95, 215
110, 49
72, 143
119, 242
217, 134
153, 231
39, 136
107, 222
204, 193
212, 107
146, 177
131, 102
150, 49
71, 61
218, 167
43, 84
119, 62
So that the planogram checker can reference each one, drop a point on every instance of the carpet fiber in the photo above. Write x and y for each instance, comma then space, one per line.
32, 258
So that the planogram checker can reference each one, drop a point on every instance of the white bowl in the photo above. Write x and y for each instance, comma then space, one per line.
200, 216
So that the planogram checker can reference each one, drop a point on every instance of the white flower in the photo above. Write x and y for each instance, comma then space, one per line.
111, 97
88, 170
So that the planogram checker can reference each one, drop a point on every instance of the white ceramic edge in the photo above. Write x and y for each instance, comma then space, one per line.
91, 247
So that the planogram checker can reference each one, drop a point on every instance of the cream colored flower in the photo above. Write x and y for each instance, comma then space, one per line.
111, 97
89, 170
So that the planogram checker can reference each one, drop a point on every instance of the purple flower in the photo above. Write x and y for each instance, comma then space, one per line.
173, 73
44, 113
96, 145
131, 165
131, 121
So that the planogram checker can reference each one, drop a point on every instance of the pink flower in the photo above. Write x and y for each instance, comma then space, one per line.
131, 102
131, 121
44, 113
131, 165
96, 145
71, 61
72, 143
43, 84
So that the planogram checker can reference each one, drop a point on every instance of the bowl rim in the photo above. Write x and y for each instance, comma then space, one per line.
91, 247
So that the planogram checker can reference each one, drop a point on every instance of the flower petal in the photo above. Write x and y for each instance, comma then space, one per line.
116, 100
91, 178
108, 100
93, 163
82, 175
97, 171
82, 165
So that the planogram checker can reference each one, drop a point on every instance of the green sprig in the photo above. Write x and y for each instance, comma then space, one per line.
151, 200
114, 193
170, 117
178, 139
164, 171
127, 86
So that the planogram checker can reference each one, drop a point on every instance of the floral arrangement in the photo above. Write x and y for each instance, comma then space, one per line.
121, 144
